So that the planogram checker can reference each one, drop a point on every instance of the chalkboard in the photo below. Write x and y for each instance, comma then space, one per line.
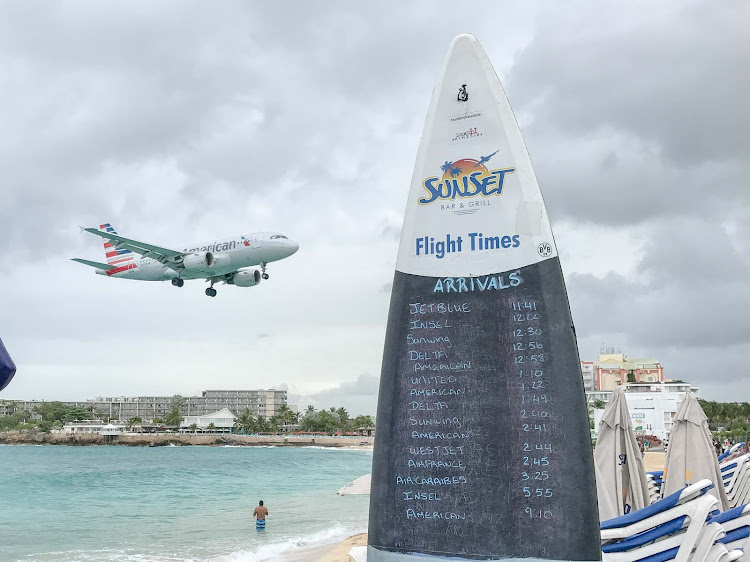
482, 447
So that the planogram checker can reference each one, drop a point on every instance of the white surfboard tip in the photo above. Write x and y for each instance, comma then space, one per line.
463, 37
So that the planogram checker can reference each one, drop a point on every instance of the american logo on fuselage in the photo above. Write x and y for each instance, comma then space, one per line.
463, 179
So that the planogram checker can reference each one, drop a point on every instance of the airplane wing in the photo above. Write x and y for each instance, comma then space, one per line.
96, 264
164, 255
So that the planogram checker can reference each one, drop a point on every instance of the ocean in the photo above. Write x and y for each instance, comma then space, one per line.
115, 503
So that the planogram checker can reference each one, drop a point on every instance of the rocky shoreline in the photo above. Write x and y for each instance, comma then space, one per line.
178, 439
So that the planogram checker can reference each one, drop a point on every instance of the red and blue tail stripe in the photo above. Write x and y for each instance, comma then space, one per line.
123, 259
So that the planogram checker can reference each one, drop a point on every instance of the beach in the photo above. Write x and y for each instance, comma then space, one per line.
340, 553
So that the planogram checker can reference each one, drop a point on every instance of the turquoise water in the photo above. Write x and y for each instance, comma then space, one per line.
174, 503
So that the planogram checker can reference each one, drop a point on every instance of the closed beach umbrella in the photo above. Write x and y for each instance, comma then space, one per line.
691, 455
620, 477
358, 487
7, 367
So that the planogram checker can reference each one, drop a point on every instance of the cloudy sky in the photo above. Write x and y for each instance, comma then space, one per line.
182, 122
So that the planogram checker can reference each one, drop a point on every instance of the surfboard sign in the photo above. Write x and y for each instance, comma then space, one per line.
482, 449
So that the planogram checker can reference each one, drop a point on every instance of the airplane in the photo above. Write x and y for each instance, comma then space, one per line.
485, 159
224, 261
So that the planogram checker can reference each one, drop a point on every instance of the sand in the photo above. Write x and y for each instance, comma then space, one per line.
654, 460
340, 553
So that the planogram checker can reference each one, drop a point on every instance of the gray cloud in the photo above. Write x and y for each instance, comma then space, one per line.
359, 397
238, 117
635, 113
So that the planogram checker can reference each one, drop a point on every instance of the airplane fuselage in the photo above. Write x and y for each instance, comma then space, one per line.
230, 254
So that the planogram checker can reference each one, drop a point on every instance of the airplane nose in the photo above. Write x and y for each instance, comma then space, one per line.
293, 246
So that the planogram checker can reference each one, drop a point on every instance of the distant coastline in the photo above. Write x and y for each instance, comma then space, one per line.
182, 439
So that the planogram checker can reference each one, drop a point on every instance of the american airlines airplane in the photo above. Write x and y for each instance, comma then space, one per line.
224, 261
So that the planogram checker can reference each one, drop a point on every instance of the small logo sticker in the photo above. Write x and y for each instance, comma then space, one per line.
471, 133
545, 249
463, 95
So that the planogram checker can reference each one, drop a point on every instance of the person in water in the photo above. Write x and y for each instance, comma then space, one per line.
260, 516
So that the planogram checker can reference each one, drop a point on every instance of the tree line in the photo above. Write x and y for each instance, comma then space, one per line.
727, 419
55, 414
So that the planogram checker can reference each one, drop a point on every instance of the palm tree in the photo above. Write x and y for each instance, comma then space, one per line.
343, 418
246, 421
286, 415
174, 417
447, 166
194, 427
275, 422
135, 420
211, 427
262, 424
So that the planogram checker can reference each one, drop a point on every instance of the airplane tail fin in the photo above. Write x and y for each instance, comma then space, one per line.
113, 255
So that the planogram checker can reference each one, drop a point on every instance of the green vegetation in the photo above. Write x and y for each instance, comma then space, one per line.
174, 417
728, 419
333, 420
52, 415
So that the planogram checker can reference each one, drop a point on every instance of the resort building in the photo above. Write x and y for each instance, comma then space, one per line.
615, 369
93, 426
589, 375
261, 403
215, 422
652, 405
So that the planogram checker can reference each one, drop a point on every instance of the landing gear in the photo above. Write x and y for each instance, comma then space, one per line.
210, 292
263, 268
177, 282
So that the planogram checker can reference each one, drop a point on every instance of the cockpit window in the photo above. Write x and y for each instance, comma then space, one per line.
276, 236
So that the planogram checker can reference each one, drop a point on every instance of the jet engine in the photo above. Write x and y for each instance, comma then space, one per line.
198, 262
206, 261
218, 260
247, 278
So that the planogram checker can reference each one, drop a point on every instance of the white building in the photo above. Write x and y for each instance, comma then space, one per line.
588, 372
90, 426
652, 405
223, 422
